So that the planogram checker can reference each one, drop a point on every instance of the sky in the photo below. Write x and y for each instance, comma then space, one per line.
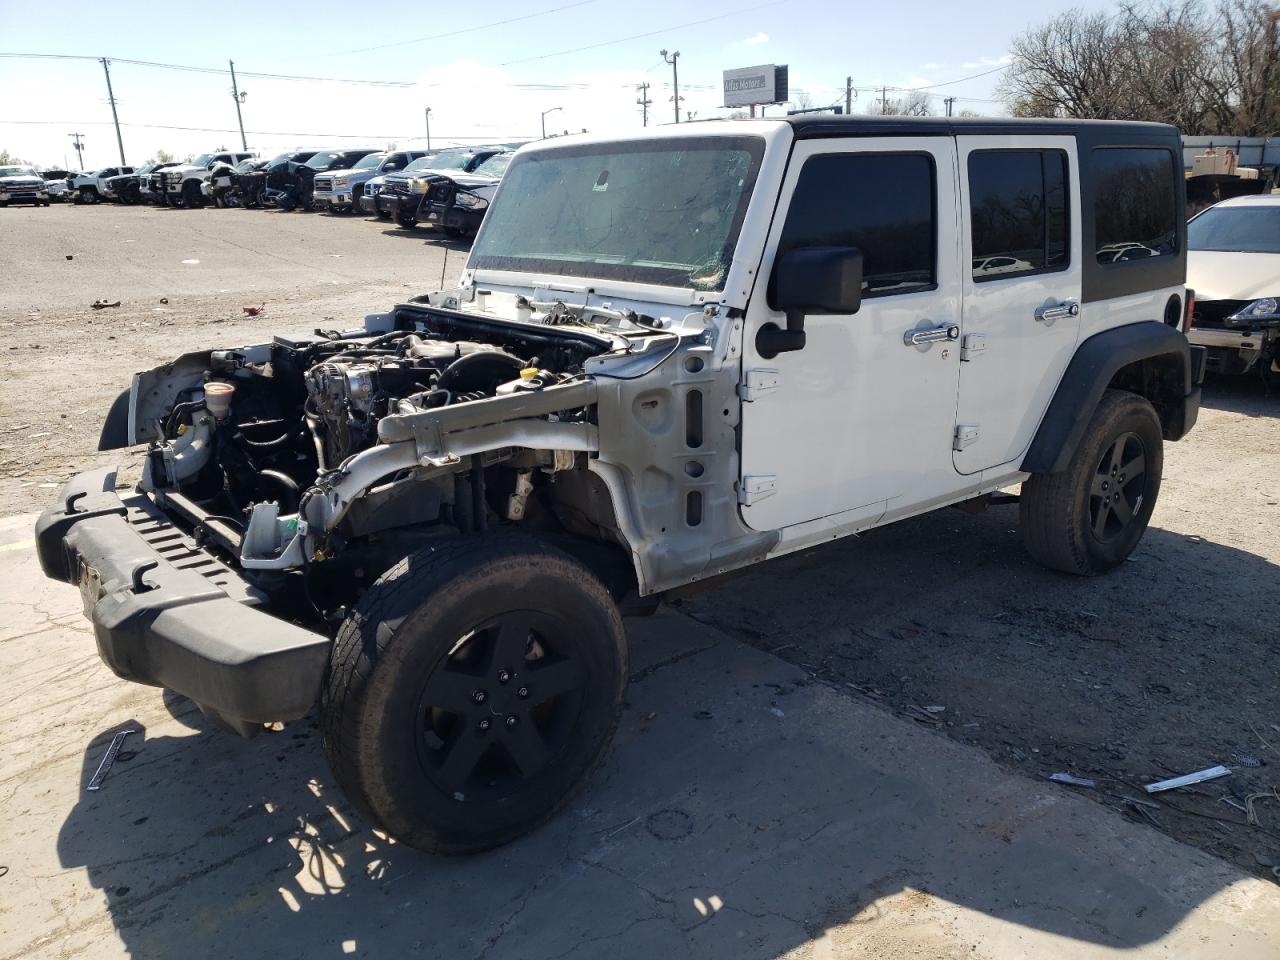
487, 70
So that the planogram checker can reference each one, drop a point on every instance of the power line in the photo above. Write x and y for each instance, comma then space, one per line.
452, 33
641, 36
191, 68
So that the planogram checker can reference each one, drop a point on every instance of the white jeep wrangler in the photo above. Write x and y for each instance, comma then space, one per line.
670, 356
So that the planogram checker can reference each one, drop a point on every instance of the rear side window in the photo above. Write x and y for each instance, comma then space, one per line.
1018, 212
1135, 204
881, 203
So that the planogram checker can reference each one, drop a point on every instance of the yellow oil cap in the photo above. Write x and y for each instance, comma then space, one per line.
528, 373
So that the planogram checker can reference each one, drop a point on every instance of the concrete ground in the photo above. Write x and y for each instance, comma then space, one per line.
745, 812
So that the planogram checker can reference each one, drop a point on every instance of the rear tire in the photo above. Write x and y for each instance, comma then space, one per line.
1088, 518
473, 690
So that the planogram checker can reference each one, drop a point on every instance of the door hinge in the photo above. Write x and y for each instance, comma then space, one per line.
754, 489
966, 435
972, 345
757, 382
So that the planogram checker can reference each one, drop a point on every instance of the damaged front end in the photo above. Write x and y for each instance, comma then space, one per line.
329, 458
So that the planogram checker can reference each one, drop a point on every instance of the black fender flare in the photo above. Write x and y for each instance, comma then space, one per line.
115, 428
1095, 363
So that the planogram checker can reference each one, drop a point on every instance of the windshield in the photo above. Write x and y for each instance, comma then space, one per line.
495, 166
446, 160
203, 160
655, 211
370, 162
1254, 228
146, 168
18, 172
322, 161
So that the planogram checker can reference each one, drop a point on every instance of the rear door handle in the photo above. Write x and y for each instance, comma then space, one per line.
920, 337
1057, 311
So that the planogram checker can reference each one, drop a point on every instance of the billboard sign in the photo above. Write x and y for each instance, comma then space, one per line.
748, 86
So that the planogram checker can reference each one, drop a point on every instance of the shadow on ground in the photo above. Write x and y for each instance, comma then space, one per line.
746, 812
1165, 666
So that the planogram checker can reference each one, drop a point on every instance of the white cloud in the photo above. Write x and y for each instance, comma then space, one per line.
757, 39
1003, 60
930, 66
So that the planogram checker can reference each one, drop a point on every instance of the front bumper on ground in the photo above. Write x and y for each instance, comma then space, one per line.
167, 614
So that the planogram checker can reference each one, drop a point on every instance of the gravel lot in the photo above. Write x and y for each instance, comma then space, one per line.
1166, 666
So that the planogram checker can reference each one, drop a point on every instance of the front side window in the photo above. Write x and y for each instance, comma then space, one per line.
1018, 212
665, 211
1135, 203
881, 203
370, 162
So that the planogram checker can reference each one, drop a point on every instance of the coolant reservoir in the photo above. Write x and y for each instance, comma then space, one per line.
217, 398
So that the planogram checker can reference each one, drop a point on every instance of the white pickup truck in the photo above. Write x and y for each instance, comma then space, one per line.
184, 184
92, 187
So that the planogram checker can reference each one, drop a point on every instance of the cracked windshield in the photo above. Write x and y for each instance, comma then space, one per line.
664, 212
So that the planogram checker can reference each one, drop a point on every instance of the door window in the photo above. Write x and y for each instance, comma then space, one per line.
882, 203
1136, 204
1018, 212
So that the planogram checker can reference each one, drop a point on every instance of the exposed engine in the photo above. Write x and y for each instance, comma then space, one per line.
349, 392
261, 424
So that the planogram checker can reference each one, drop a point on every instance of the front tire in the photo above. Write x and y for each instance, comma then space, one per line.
1089, 517
472, 690
191, 195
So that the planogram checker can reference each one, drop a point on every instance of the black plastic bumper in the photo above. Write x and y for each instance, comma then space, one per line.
159, 624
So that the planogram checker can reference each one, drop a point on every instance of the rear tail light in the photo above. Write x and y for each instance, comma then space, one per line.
1190, 316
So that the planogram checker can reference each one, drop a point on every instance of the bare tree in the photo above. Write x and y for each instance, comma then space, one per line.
911, 103
1206, 69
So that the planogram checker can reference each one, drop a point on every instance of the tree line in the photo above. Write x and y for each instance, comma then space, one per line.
1207, 68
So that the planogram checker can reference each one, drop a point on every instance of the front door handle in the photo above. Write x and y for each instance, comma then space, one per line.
920, 337
1057, 311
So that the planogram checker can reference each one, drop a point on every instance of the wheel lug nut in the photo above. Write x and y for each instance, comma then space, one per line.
484, 724
503, 676
511, 720
522, 692
1105, 485
478, 697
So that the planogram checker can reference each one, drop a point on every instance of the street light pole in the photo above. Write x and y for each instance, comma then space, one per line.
427, 114
675, 79
544, 120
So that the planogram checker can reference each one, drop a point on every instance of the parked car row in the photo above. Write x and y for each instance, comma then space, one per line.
449, 188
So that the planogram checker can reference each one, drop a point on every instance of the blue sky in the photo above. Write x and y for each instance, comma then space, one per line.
486, 83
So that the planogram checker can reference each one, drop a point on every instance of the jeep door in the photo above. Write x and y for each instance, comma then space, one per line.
1020, 196
859, 421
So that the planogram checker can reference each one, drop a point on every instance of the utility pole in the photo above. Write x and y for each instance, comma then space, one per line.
111, 98
884, 101
644, 101
237, 97
426, 113
675, 79
848, 95
79, 148
950, 102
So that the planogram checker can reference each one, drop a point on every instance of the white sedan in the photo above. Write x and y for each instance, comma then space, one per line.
1233, 265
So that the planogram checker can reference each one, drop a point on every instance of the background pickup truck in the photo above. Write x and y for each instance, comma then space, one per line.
341, 189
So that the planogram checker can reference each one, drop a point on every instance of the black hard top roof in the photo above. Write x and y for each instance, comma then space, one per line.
818, 126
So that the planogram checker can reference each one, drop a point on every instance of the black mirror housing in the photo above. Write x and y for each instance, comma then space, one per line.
810, 280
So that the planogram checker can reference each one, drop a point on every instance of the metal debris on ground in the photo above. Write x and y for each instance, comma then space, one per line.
100, 304
1246, 760
923, 714
1073, 781
108, 758
1186, 780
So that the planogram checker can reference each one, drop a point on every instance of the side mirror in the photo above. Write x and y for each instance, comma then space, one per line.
810, 280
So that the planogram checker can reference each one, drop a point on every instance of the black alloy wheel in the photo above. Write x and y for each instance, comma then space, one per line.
1119, 483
